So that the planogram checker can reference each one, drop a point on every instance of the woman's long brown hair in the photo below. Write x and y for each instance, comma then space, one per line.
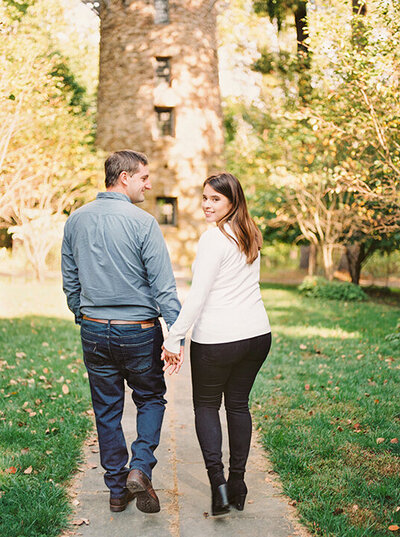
247, 235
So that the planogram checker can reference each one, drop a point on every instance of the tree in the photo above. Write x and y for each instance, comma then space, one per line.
335, 158
46, 159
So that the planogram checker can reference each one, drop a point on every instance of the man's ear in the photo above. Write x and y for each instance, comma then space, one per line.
123, 178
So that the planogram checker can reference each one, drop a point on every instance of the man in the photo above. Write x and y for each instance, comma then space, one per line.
118, 279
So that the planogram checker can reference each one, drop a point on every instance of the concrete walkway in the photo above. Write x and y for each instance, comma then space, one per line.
181, 483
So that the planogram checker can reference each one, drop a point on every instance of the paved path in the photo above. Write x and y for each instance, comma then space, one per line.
182, 485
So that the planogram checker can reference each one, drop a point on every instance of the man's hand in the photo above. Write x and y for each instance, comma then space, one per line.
173, 361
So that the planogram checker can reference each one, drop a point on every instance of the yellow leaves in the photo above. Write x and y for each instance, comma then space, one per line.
394, 527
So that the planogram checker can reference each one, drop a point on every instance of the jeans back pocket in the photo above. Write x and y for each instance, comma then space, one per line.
138, 357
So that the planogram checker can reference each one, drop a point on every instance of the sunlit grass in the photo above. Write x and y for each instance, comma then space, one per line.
43, 422
327, 407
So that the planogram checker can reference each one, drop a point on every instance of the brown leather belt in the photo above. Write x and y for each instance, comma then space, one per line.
144, 324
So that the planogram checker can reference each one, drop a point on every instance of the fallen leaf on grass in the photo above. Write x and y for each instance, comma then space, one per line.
65, 389
393, 527
303, 347
20, 355
11, 470
380, 440
45, 344
394, 441
306, 387
28, 471
338, 511
25, 450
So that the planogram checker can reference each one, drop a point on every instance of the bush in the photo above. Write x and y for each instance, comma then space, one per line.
395, 337
318, 287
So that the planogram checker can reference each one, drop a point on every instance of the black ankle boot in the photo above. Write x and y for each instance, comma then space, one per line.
219, 500
237, 491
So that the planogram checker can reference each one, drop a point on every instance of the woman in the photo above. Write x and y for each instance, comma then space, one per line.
231, 336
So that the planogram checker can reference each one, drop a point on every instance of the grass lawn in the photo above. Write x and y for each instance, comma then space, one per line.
44, 419
327, 405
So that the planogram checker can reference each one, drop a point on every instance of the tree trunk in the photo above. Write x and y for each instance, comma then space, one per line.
304, 256
300, 14
312, 260
355, 254
327, 255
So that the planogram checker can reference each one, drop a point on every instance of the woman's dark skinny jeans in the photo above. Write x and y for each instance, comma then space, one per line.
229, 369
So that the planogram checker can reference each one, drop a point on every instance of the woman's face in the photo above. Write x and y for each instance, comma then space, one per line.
214, 204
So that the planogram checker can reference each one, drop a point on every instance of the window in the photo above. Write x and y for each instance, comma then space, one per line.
167, 209
163, 69
162, 12
165, 121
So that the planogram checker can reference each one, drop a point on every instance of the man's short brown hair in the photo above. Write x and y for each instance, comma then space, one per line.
122, 161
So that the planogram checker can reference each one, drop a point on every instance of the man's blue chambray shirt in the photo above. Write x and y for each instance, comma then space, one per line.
115, 263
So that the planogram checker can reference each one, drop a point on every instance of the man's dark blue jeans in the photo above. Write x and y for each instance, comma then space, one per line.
113, 354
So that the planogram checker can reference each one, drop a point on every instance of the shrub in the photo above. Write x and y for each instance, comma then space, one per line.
318, 287
395, 337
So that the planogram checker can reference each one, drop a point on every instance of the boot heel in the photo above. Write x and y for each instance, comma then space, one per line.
219, 500
223, 492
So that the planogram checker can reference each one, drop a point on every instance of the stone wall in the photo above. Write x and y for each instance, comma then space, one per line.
129, 91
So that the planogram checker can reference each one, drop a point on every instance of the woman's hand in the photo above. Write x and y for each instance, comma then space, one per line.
172, 361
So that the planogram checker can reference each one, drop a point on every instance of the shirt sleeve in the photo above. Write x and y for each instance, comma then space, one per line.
208, 260
159, 273
71, 283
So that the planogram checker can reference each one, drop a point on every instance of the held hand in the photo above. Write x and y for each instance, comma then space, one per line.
173, 362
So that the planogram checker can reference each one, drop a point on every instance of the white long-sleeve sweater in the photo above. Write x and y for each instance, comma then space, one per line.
224, 300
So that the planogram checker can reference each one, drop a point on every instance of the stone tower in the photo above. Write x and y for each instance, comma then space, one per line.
159, 94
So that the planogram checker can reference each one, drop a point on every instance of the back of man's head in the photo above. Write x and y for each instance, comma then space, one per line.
122, 161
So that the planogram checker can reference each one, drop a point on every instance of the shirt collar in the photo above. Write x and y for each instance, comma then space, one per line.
113, 195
